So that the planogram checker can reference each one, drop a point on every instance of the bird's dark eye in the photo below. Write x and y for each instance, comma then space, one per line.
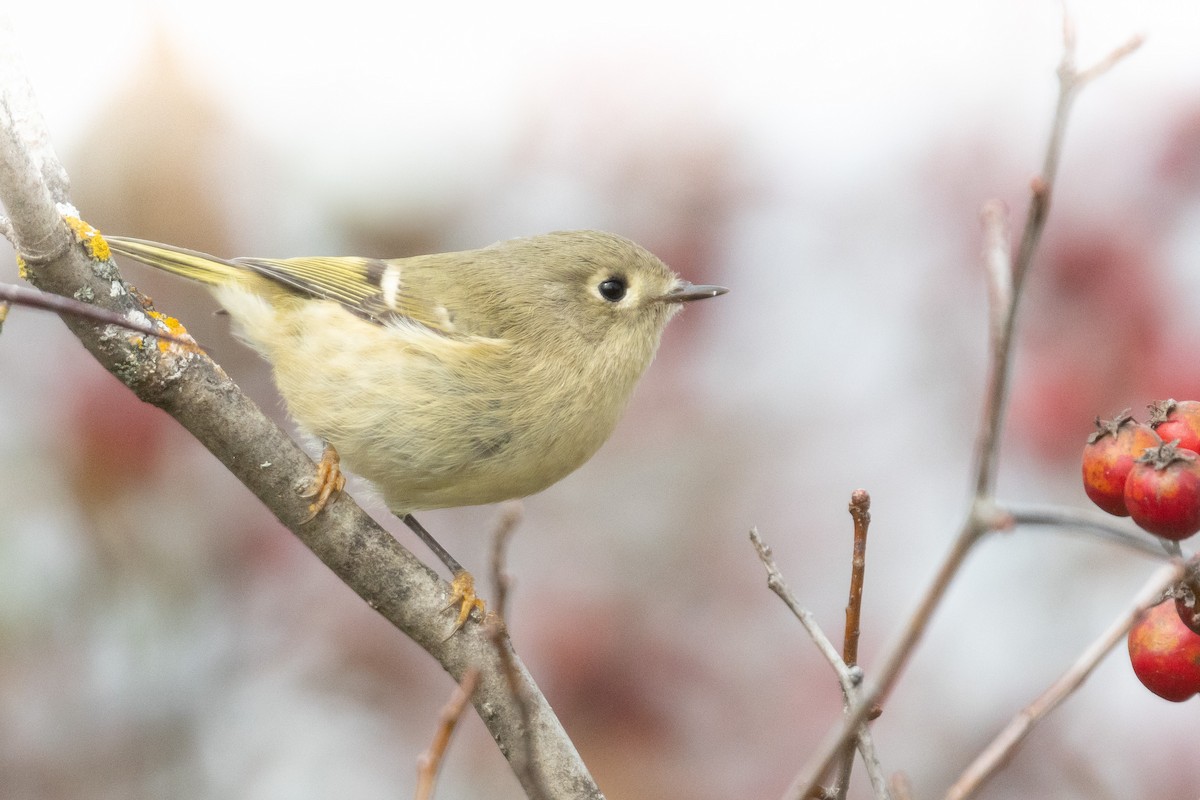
612, 289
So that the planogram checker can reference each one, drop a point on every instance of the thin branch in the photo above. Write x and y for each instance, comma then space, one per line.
11, 294
874, 692
1096, 524
860, 512
1102, 66
982, 516
848, 678
1071, 81
1005, 745
201, 397
430, 762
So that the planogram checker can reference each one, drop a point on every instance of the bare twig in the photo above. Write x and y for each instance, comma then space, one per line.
1004, 746
982, 515
1096, 524
860, 511
848, 678
876, 691
430, 762
1070, 81
20, 296
1102, 66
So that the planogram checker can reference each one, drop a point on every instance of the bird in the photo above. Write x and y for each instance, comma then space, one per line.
449, 379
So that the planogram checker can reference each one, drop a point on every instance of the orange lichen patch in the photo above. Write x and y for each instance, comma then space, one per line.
173, 326
90, 238
22, 268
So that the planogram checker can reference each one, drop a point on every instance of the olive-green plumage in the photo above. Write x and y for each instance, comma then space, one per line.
458, 378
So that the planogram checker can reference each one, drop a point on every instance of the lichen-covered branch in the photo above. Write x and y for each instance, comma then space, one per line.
194, 390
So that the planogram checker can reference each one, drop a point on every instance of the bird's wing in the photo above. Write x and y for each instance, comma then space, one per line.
371, 288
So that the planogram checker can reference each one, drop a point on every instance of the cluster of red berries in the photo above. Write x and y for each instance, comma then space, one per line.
1151, 473
1148, 472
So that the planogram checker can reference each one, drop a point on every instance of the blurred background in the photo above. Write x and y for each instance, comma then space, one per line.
161, 635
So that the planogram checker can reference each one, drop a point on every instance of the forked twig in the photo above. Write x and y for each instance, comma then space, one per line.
982, 516
848, 678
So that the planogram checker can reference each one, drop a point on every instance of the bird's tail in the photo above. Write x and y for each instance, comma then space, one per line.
189, 263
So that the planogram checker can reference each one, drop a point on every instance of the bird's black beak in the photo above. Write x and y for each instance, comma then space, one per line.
685, 292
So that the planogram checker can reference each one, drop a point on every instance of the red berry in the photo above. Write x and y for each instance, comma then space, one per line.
1108, 457
1180, 420
1165, 654
1162, 492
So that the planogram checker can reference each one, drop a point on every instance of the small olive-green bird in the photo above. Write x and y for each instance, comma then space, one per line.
451, 379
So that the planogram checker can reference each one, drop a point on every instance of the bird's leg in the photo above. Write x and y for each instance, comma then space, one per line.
327, 484
462, 586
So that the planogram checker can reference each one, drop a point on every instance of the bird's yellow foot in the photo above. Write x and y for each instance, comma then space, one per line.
463, 595
328, 483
